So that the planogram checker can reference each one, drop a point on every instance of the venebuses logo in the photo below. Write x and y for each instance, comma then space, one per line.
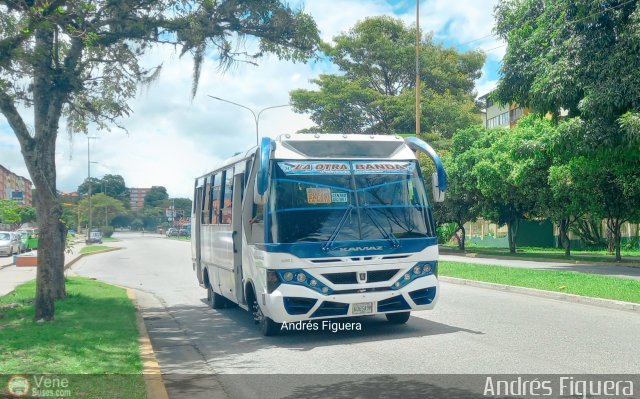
18, 386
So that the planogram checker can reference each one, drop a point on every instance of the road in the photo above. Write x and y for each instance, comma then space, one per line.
207, 353
583, 267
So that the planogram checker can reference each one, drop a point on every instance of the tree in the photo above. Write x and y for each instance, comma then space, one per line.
575, 56
14, 214
375, 91
463, 199
81, 60
183, 206
156, 197
103, 208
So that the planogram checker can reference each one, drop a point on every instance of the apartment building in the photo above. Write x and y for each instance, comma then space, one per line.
15, 187
497, 115
137, 197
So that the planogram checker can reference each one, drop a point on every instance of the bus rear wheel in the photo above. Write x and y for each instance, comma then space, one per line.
398, 318
267, 326
216, 301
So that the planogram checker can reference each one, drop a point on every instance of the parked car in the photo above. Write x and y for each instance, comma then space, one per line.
9, 243
172, 232
31, 241
95, 237
24, 240
184, 232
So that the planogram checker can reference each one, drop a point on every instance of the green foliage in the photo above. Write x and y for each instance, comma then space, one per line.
157, 196
107, 231
104, 208
375, 91
13, 214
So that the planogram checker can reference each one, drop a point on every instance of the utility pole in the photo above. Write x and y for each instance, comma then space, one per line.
417, 68
89, 138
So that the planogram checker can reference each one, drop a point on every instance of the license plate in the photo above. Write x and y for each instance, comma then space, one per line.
362, 308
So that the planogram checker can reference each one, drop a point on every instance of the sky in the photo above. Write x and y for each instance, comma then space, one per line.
173, 138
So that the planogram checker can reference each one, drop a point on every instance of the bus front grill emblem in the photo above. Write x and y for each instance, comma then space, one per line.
362, 277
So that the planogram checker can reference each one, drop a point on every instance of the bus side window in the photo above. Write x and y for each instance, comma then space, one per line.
227, 205
215, 199
204, 217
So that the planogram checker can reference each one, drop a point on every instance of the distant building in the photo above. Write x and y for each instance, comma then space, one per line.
15, 187
137, 197
497, 115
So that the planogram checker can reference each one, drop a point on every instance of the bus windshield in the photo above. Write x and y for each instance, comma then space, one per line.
326, 201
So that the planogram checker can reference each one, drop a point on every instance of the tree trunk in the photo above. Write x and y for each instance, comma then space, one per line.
564, 236
512, 234
463, 237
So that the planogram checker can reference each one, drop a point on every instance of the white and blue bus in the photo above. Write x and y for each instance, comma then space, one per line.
316, 226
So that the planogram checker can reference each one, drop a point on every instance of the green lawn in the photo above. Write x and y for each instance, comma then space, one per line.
94, 333
93, 248
549, 280
628, 256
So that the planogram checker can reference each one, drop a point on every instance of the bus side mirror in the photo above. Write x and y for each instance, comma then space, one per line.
438, 195
259, 199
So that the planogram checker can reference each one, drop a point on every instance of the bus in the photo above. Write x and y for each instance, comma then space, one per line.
319, 226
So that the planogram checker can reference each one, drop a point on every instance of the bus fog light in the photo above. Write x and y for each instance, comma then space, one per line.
313, 283
397, 284
288, 276
301, 277
417, 270
407, 276
325, 289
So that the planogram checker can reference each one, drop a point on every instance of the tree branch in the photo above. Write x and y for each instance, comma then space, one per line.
8, 109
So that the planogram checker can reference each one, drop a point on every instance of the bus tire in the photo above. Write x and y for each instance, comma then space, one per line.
216, 301
398, 318
267, 326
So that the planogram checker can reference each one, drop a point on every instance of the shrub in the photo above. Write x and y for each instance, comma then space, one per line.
107, 231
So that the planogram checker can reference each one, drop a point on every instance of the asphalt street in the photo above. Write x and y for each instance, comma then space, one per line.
206, 353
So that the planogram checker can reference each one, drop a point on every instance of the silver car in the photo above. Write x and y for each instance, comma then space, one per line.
9, 243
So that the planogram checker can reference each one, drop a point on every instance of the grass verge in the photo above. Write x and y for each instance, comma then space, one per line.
93, 248
628, 257
577, 283
93, 341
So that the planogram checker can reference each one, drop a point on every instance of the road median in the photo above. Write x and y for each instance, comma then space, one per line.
91, 348
604, 291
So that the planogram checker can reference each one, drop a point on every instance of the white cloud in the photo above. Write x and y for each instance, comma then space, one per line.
173, 138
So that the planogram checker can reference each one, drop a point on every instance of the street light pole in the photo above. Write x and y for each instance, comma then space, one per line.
89, 179
417, 68
256, 117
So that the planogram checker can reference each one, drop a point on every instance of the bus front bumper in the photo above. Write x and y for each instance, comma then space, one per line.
291, 303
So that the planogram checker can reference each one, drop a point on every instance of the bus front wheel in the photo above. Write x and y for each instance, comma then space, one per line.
267, 326
398, 318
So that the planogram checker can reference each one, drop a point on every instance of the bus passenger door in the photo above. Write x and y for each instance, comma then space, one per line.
236, 235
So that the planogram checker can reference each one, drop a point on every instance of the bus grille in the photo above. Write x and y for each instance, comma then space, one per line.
392, 304
329, 308
294, 305
374, 276
424, 296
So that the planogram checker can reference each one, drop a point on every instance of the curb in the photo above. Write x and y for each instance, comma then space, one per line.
74, 260
585, 300
151, 368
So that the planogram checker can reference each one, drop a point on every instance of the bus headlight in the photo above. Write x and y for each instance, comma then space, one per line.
417, 270
302, 278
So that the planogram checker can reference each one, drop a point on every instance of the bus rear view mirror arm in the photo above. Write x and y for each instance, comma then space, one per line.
439, 176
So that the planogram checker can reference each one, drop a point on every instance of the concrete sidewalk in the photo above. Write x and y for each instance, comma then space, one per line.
12, 276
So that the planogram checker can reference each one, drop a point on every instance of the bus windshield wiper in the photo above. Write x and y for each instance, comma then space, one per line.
327, 245
395, 243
